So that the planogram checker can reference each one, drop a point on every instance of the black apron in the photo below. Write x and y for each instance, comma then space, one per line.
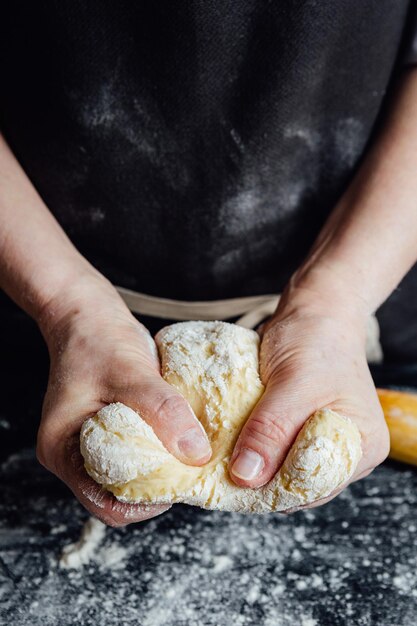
194, 149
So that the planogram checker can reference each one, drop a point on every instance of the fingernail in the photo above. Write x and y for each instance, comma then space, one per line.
194, 445
248, 464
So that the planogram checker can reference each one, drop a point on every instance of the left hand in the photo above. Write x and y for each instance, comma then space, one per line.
312, 356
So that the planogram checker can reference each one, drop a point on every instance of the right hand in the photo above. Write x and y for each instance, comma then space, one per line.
101, 354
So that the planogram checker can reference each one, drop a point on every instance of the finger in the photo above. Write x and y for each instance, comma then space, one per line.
58, 449
101, 503
170, 416
268, 435
363, 474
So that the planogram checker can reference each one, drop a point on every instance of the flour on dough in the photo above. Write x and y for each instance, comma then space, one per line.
214, 365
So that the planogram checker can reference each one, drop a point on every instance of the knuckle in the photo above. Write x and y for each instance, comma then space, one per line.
172, 406
127, 372
266, 427
125, 376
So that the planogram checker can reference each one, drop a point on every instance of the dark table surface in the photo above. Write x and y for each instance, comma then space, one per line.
353, 561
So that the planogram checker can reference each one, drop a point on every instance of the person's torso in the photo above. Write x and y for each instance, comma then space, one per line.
193, 149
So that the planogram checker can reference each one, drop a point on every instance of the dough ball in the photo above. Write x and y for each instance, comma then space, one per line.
214, 365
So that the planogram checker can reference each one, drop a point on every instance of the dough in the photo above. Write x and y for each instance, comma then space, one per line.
214, 365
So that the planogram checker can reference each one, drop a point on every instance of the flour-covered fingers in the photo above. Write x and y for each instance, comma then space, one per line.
95, 498
58, 449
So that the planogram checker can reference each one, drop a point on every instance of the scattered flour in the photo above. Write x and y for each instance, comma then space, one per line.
87, 549
79, 553
160, 572
113, 556
222, 563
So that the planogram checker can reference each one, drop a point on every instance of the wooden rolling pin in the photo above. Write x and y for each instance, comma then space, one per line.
400, 410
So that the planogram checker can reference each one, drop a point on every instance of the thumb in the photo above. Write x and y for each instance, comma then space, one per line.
268, 434
171, 417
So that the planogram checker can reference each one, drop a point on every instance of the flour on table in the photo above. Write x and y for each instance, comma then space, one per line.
79, 553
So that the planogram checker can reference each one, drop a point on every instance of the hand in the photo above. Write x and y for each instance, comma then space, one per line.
313, 348
101, 354
312, 356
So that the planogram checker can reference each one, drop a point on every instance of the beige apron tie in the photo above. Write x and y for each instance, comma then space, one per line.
250, 310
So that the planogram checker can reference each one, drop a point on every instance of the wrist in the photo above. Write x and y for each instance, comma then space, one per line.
82, 296
325, 291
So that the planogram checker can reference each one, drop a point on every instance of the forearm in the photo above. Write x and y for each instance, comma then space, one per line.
37, 260
370, 241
